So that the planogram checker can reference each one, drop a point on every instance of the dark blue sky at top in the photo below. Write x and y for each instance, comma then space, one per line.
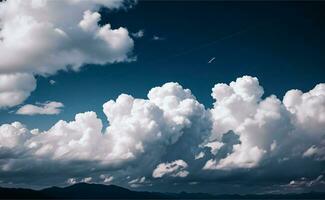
280, 43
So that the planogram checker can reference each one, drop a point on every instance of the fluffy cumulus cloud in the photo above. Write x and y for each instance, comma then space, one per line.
307, 109
15, 88
136, 126
176, 168
260, 123
47, 108
170, 135
50, 36
13, 136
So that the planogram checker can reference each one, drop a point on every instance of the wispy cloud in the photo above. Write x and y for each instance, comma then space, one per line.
138, 34
52, 82
157, 38
47, 108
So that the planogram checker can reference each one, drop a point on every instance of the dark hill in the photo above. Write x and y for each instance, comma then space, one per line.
97, 191
19, 193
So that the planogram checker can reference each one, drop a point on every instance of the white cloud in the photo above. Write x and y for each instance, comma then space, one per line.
176, 168
47, 108
52, 82
199, 155
87, 179
138, 182
171, 124
136, 126
316, 152
50, 32
242, 157
262, 123
155, 37
71, 181
310, 151
214, 146
303, 182
53, 36
106, 178
239, 107
15, 88
242, 95
307, 109
12, 139
138, 34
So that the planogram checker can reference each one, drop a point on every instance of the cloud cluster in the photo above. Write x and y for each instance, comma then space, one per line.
136, 127
50, 36
47, 108
176, 168
264, 126
300, 184
170, 134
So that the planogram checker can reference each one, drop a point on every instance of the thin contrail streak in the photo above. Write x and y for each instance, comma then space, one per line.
205, 45
211, 60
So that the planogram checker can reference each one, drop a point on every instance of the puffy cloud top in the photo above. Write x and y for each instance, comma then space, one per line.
307, 108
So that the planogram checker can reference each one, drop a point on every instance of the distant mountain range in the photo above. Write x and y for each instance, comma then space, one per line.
97, 191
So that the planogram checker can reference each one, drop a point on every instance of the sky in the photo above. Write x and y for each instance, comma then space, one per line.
217, 97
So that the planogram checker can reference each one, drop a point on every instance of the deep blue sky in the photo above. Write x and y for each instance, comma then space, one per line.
280, 43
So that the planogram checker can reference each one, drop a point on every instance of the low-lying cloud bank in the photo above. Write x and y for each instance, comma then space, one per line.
171, 135
48, 36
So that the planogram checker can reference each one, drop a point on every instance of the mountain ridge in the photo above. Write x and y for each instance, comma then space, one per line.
99, 191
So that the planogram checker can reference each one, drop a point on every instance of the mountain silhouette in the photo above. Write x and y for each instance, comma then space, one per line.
98, 191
